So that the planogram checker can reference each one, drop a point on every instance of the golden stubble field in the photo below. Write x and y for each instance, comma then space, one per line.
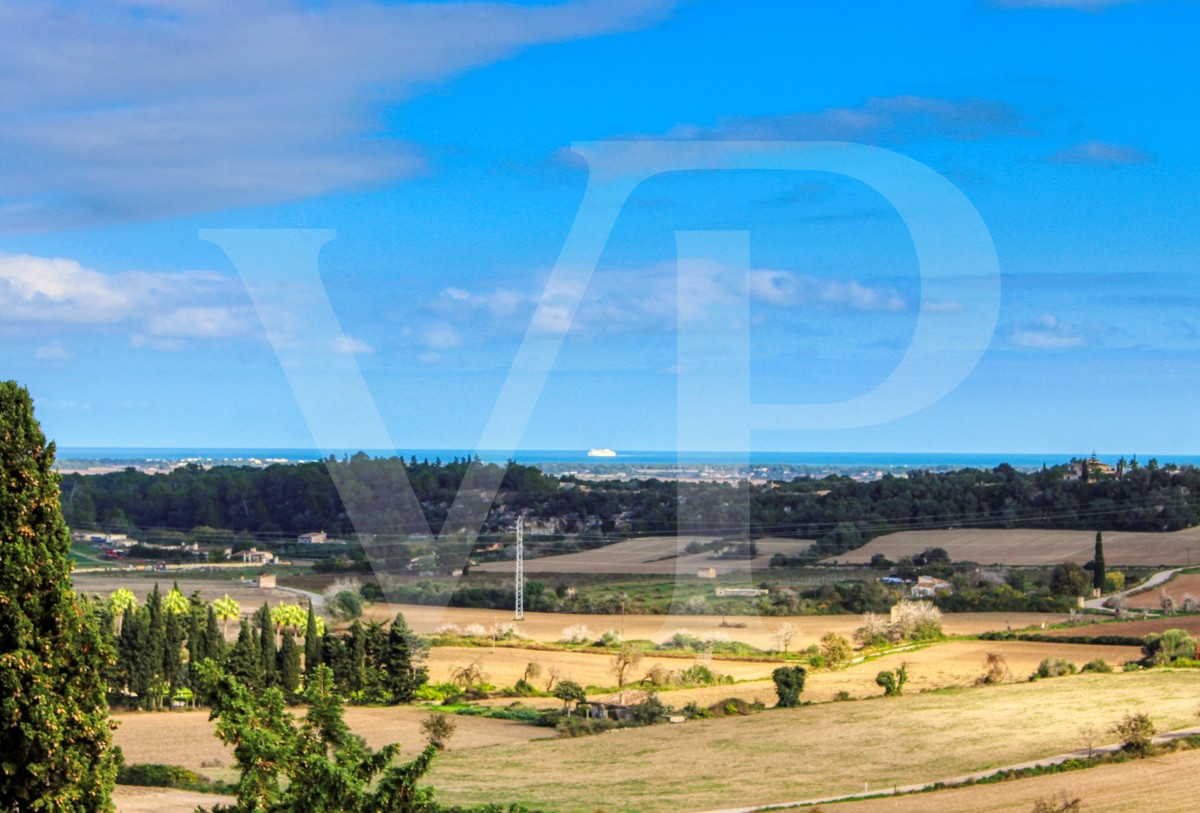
186, 737
653, 555
1035, 547
758, 631
1166, 784
814, 751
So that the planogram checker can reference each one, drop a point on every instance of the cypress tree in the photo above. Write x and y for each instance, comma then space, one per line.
266, 642
402, 675
55, 742
214, 636
357, 646
1098, 569
289, 664
245, 659
312, 644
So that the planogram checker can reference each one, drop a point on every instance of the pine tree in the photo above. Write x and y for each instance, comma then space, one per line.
402, 674
289, 665
1098, 569
312, 644
55, 741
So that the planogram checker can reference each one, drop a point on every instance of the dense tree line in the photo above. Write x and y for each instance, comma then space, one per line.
840, 512
159, 647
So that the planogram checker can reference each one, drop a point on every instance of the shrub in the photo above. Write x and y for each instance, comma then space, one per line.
610, 638
1062, 803
438, 728
1165, 647
842, 695
835, 649
1136, 732
731, 707
577, 634
789, 683
892, 682
996, 670
159, 776
1054, 667
1096, 665
1130, 666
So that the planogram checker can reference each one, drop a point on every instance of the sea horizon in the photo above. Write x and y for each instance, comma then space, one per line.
560, 457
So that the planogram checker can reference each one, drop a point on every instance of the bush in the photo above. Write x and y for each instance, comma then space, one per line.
1054, 667
731, 707
1136, 732
892, 682
1058, 804
159, 776
1096, 665
996, 670
835, 649
438, 728
789, 683
1166, 647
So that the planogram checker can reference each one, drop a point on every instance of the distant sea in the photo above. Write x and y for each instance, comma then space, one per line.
558, 457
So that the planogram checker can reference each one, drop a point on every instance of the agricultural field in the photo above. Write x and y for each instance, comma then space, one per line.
703, 764
1035, 547
1182, 585
1165, 784
245, 592
1139, 628
186, 738
751, 629
652, 555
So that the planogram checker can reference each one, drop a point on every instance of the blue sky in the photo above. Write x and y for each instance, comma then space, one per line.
435, 140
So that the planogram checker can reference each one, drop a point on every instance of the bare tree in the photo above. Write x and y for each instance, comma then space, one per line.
553, 675
1062, 803
1089, 734
786, 635
623, 662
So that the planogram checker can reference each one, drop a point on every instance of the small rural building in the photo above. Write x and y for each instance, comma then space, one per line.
929, 586
257, 557
313, 538
266, 581
617, 706
741, 592
706, 573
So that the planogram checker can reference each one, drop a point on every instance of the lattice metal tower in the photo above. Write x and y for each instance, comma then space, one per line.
519, 615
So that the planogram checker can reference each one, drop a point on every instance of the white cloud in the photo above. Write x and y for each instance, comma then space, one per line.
789, 289
439, 336
1098, 153
350, 346
1047, 332
39, 291
167, 107
54, 351
891, 119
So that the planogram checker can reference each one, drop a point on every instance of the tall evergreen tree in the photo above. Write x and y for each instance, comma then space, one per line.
357, 655
402, 674
266, 641
55, 742
289, 665
312, 644
1098, 569
215, 636
245, 659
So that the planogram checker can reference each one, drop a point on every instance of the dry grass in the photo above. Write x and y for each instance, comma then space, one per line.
161, 800
652, 555
186, 737
758, 630
1163, 784
812, 751
1035, 547
955, 663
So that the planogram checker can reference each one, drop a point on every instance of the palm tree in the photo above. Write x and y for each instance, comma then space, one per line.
120, 601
